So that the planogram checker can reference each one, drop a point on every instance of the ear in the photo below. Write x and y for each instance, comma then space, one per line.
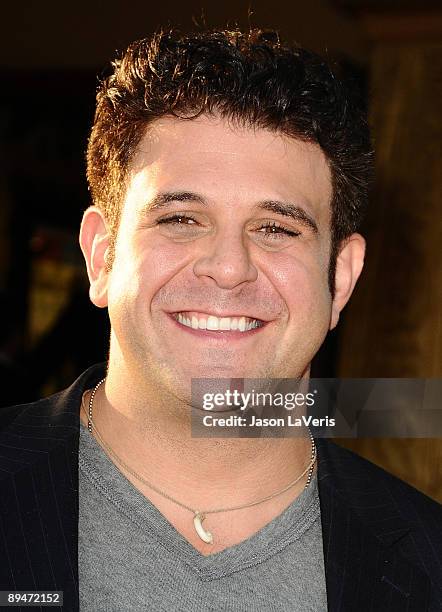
94, 242
349, 266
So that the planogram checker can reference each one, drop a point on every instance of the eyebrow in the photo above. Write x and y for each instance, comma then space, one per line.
286, 209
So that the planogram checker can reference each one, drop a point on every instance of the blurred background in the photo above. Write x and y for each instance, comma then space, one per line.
52, 55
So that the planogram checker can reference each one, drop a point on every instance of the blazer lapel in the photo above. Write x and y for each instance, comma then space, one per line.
39, 494
361, 532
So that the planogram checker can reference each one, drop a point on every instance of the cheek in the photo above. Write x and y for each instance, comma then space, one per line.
142, 268
303, 284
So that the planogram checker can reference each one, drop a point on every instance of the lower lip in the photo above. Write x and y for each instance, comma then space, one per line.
218, 335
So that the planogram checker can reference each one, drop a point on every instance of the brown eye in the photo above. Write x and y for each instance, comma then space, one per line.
274, 231
178, 220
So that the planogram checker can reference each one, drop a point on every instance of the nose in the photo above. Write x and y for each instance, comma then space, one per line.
227, 261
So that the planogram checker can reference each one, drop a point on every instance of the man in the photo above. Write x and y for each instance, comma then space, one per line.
229, 175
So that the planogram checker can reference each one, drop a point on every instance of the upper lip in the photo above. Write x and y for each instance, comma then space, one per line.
220, 315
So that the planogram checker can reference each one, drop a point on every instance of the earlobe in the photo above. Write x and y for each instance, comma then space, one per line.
94, 243
349, 266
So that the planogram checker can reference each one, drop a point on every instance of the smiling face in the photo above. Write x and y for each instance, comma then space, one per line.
221, 257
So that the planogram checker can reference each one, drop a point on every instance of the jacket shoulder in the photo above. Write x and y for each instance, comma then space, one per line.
45, 410
58, 409
10, 414
366, 477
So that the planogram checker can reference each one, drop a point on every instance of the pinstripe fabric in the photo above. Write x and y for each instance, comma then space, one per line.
382, 539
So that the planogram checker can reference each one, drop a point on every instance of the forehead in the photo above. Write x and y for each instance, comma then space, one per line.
241, 164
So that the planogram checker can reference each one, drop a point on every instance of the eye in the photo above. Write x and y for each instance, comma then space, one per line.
275, 231
177, 219
182, 226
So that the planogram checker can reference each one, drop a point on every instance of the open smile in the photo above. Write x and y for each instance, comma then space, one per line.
211, 323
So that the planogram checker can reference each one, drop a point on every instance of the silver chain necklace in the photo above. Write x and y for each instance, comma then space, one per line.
198, 515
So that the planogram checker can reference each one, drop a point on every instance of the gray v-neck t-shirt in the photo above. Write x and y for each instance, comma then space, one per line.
131, 558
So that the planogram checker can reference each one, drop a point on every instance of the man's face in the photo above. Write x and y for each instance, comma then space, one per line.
224, 228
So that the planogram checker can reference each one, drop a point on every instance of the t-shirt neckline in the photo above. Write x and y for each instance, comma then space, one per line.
280, 532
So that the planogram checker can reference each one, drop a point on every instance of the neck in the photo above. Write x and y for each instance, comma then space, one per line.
150, 432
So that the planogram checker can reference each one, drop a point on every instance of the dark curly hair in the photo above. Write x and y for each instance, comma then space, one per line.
249, 78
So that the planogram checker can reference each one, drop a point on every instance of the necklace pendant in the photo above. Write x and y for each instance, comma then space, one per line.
205, 536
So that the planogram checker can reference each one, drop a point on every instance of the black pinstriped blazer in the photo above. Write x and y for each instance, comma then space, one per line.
382, 538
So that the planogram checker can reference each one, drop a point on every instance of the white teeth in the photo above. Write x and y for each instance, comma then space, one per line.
213, 323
